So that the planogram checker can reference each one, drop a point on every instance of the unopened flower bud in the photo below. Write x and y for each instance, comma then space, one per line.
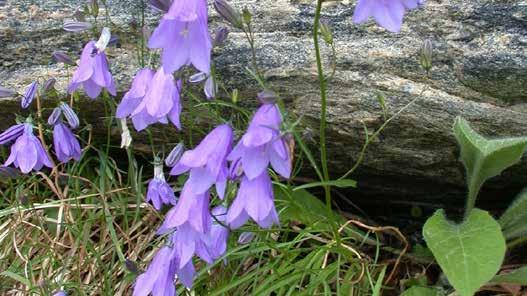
162, 6
266, 97
48, 85
54, 117
62, 57
235, 170
326, 32
11, 133
75, 26
247, 16
245, 238
234, 97
220, 35
5, 92
228, 13
175, 155
94, 8
211, 88
425, 55
104, 39
126, 137
29, 95
198, 77
71, 116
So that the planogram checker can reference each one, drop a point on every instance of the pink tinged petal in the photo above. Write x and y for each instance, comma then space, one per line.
163, 35
390, 15
177, 53
186, 274
364, 10
92, 89
86, 65
158, 99
200, 45
27, 156
179, 169
255, 161
281, 165
200, 180
260, 196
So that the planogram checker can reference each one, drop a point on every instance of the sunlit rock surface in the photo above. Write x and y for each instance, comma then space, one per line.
479, 72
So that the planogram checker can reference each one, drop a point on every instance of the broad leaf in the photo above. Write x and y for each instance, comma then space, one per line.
484, 158
514, 220
421, 291
518, 276
470, 253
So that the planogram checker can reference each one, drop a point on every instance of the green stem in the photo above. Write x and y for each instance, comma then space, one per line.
323, 115
473, 189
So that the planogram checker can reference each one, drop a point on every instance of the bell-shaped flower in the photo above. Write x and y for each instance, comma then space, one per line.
207, 162
387, 13
263, 144
192, 208
153, 97
216, 239
158, 279
27, 152
255, 199
184, 37
159, 192
29, 95
93, 73
65, 143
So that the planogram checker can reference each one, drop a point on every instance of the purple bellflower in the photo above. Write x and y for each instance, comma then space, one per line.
192, 208
65, 143
159, 192
27, 152
255, 199
263, 144
387, 13
153, 97
207, 162
216, 239
159, 276
93, 72
29, 95
60, 293
184, 37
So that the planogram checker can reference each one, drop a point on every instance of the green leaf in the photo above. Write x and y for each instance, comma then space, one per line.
514, 220
301, 206
518, 276
421, 291
341, 183
484, 158
378, 284
16, 277
470, 253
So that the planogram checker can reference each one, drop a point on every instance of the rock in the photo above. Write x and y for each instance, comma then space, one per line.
479, 72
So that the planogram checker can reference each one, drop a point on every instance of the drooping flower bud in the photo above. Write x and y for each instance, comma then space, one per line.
175, 155
126, 137
75, 26
104, 39
247, 16
211, 88
48, 85
228, 13
5, 93
160, 5
198, 77
220, 35
246, 238
326, 32
71, 116
94, 8
425, 55
235, 170
62, 57
29, 95
267, 97
54, 117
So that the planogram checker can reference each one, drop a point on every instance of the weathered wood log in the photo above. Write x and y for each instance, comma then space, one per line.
479, 72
